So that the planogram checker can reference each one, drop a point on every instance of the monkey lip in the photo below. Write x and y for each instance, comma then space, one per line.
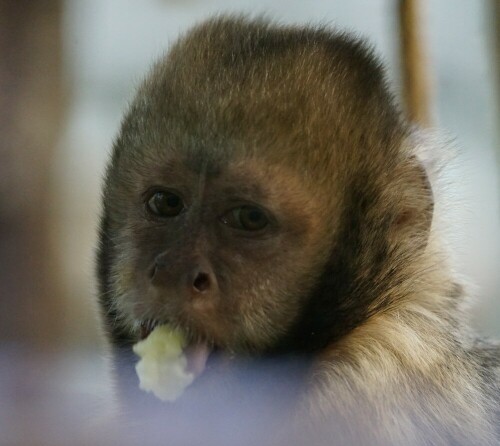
196, 353
146, 328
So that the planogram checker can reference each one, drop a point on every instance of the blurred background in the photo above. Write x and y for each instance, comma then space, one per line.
68, 69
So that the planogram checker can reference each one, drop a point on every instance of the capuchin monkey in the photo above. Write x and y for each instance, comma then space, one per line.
267, 197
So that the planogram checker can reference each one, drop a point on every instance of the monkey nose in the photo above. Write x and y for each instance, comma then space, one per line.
201, 280
194, 277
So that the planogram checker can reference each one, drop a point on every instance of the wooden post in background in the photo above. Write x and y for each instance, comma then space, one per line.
414, 63
30, 120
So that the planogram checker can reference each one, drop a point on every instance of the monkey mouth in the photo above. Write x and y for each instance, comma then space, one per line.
196, 353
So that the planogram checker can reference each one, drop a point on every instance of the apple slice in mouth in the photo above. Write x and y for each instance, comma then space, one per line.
196, 353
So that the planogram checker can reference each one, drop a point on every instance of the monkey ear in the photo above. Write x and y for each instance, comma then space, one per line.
417, 205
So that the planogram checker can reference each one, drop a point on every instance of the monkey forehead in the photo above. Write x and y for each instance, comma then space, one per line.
316, 92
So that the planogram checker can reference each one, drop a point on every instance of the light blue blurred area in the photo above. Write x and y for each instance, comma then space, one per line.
109, 46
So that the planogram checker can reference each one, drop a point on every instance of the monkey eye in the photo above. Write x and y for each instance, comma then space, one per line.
247, 218
165, 204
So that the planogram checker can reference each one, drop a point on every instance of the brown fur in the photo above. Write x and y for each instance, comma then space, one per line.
351, 273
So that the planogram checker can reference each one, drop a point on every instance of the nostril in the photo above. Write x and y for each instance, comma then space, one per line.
201, 282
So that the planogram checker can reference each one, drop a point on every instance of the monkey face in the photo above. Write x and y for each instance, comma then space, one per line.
249, 194
224, 253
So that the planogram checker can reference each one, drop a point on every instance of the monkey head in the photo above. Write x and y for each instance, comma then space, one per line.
261, 183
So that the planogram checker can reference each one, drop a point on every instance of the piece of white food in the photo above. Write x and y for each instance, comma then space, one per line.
162, 368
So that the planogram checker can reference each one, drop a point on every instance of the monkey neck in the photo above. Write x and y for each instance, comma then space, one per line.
343, 300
